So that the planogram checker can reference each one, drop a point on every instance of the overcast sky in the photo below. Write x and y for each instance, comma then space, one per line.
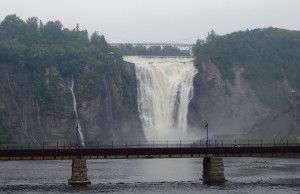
159, 20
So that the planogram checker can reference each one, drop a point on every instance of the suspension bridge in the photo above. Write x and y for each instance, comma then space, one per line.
148, 44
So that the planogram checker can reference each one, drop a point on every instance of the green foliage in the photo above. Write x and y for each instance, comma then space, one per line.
12, 27
5, 136
38, 47
31, 35
268, 56
12, 52
52, 32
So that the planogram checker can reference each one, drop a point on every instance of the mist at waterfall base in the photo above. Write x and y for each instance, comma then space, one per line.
164, 90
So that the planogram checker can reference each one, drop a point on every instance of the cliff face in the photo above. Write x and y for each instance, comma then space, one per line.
20, 111
229, 108
281, 124
233, 110
114, 116
23, 114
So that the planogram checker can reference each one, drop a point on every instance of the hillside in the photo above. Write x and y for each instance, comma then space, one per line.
248, 76
38, 63
269, 57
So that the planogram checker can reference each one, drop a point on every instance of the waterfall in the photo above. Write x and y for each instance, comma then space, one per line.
78, 126
165, 88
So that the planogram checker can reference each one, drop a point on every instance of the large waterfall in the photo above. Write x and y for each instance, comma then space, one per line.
165, 88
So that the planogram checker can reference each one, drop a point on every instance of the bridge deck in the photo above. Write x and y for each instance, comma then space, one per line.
142, 153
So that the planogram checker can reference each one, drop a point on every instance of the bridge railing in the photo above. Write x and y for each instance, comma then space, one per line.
158, 144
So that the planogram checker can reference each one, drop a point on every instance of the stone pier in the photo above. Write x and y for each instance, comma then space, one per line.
213, 170
79, 173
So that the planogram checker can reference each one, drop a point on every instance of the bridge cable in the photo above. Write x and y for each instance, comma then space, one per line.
180, 40
117, 37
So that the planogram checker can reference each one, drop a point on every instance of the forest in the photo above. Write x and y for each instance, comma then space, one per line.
35, 46
269, 57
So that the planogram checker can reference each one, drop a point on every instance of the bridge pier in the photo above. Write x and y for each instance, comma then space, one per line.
79, 173
213, 170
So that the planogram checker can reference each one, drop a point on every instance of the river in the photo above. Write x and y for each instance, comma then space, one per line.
244, 175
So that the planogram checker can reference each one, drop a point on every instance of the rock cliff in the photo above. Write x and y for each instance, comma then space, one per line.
229, 108
233, 110
111, 115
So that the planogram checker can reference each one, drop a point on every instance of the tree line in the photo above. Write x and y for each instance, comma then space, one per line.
129, 49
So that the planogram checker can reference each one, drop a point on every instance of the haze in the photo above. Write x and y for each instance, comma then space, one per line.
159, 20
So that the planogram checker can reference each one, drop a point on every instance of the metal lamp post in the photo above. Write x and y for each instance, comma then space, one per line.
77, 144
206, 126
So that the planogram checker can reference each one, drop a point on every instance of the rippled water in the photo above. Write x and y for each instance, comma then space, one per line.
244, 175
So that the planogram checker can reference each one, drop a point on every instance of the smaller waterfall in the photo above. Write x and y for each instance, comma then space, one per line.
71, 86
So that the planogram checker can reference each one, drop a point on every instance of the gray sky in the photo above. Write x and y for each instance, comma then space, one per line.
159, 20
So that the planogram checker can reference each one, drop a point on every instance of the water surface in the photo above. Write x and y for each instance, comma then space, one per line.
244, 175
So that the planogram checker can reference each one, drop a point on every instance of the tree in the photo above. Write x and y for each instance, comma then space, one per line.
31, 33
52, 32
98, 41
211, 36
13, 27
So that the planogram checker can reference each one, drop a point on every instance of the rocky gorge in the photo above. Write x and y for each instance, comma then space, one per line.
241, 88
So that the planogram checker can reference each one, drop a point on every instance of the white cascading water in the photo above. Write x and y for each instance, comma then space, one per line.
165, 88
71, 86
